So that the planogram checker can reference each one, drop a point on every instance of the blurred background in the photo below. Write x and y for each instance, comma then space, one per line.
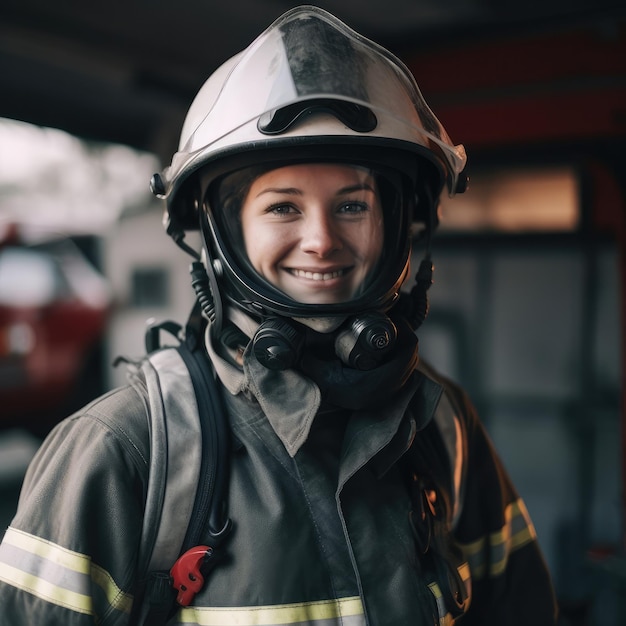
528, 305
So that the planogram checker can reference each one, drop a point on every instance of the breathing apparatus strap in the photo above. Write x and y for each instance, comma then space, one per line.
182, 529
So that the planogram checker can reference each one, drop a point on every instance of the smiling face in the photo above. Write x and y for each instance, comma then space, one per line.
314, 231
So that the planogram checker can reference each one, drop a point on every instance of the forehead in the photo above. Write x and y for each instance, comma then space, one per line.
312, 176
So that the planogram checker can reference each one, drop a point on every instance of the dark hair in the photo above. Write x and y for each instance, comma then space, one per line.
227, 193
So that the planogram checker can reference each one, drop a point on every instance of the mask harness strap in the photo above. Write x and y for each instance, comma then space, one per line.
414, 305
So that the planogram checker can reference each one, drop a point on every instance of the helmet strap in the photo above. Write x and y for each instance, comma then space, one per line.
414, 305
204, 283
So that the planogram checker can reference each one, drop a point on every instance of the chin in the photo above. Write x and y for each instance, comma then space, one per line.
321, 324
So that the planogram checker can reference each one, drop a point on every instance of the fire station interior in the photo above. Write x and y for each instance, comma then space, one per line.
528, 304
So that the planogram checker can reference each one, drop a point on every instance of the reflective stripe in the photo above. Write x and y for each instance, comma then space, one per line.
489, 555
56, 574
445, 618
464, 572
346, 611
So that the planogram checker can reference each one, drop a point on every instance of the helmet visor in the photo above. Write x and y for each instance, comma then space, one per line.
319, 233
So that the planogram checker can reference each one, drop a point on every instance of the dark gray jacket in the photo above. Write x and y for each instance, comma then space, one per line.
323, 532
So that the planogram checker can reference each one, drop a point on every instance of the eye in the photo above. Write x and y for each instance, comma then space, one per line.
353, 207
280, 209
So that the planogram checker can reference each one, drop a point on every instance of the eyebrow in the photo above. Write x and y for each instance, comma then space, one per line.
357, 187
287, 190
298, 192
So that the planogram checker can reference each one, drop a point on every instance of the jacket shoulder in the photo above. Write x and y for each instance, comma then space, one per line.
124, 413
455, 393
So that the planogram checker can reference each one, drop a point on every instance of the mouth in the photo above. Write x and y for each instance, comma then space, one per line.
317, 275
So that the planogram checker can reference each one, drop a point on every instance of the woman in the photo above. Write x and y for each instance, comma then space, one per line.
362, 488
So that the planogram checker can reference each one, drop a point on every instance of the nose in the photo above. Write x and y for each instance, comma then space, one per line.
320, 235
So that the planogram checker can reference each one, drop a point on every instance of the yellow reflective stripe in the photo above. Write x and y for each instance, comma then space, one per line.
445, 617
115, 596
434, 588
473, 548
270, 615
517, 531
46, 590
464, 571
68, 559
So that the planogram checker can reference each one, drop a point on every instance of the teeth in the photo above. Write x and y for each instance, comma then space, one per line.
317, 275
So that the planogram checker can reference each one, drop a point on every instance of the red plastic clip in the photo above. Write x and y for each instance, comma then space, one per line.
188, 579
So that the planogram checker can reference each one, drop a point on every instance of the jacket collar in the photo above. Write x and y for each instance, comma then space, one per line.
291, 400
384, 435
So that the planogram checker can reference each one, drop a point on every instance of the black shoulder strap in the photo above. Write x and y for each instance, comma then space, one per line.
209, 513
183, 394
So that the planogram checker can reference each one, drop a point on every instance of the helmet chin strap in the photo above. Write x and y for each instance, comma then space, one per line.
203, 280
414, 305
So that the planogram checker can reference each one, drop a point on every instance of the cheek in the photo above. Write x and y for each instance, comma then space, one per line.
368, 245
253, 254
253, 238
264, 249
377, 248
378, 237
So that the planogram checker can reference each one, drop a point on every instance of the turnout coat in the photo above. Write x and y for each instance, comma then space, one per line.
323, 504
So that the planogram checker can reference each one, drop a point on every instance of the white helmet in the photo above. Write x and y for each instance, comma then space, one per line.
309, 88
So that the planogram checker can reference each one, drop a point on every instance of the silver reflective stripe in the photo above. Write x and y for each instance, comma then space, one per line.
344, 612
175, 457
445, 618
451, 431
489, 555
56, 574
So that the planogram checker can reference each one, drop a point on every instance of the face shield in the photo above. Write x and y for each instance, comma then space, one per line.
313, 235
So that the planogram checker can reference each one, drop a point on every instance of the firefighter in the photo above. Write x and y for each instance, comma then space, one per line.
361, 486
